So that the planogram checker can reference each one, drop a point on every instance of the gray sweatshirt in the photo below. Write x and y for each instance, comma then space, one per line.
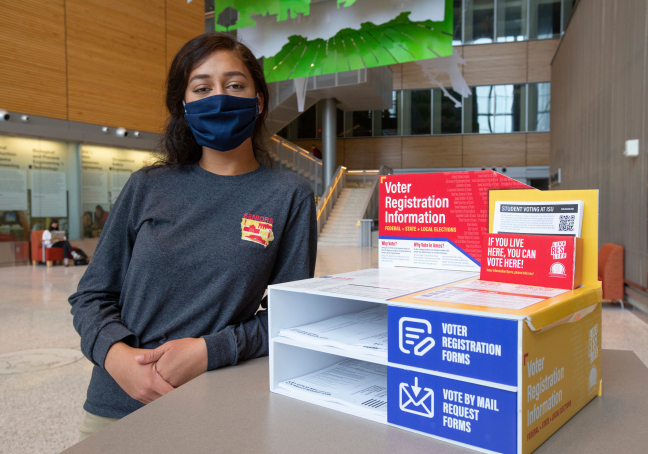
187, 253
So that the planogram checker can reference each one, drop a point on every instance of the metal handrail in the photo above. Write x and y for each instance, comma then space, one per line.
371, 209
295, 159
330, 196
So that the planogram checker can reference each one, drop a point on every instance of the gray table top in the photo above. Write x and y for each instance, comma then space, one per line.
232, 410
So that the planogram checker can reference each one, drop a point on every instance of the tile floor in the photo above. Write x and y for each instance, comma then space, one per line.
40, 408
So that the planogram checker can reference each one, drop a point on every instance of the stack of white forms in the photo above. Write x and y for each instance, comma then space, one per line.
361, 332
356, 385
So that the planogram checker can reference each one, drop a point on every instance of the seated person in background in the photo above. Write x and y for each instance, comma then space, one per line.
86, 223
48, 241
100, 217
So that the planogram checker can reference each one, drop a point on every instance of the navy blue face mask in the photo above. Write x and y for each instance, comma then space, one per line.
222, 122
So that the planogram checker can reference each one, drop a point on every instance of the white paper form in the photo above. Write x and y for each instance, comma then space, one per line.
527, 290
539, 218
363, 332
382, 283
355, 384
480, 298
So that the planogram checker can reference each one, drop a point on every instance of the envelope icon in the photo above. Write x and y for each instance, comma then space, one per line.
420, 404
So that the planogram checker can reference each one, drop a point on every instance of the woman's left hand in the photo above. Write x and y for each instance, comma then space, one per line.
178, 361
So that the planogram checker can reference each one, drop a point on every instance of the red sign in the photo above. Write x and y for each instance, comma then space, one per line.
540, 260
447, 206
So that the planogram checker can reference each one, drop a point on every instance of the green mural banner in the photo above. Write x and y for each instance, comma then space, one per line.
399, 40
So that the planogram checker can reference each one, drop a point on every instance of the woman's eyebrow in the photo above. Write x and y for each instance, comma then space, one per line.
234, 73
200, 76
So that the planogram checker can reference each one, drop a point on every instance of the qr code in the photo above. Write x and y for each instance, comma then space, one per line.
566, 223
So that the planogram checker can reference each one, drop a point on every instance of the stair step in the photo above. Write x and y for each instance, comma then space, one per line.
340, 232
341, 227
338, 243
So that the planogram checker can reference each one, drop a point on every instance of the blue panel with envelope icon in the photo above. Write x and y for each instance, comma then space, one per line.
464, 412
464, 345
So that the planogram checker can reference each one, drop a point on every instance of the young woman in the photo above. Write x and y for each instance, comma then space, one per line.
60, 243
191, 244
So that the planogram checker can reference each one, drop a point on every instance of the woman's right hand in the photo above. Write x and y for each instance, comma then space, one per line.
141, 382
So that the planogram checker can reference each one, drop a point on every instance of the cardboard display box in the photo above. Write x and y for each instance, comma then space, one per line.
494, 369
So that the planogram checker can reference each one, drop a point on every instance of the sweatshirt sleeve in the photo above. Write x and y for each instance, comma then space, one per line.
95, 305
295, 261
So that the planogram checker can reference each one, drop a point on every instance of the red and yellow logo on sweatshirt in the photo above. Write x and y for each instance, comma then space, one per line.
257, 229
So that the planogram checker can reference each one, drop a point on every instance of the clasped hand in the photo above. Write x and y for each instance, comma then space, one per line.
146, 375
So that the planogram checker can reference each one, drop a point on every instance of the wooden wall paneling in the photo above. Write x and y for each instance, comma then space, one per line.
494, 150
539, 56
371, 153
629, 112
414, 77
397, 75
432, 151
32, 67
340, 156
493, 64
599, 100
184, 21
116, 63
538, 149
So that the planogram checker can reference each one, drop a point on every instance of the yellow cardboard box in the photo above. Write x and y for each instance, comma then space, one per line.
559, 369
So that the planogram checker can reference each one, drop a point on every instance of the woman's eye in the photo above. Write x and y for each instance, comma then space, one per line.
201, 90
235, 86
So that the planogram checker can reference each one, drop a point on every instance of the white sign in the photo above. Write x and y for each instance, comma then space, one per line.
417, 253
539, 218
117, 182
13, 190
517, 289
380, 283
480, 298
95, 187
48, 196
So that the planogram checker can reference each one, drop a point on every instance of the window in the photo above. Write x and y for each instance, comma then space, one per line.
417, 112
479, 21
457, 20
495, 109
35, 176
539, 106
358, 123
486, 21
568, 8
511, 20
306, 123
489, 109
386, 121
339, 123
544, 19
446, 116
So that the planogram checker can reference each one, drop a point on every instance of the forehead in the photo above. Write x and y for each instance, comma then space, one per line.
220, 62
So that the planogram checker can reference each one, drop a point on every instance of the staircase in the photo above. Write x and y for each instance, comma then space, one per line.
341, 228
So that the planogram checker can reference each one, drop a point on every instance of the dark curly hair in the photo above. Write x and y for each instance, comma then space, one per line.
178, 147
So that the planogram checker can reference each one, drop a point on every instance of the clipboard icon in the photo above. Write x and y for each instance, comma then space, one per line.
416, 332
413, 399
